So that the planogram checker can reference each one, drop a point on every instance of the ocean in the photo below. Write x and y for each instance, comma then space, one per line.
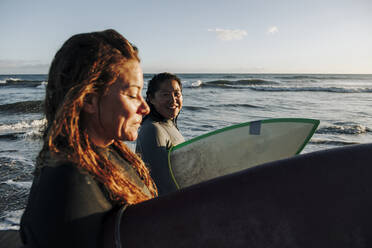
342, 103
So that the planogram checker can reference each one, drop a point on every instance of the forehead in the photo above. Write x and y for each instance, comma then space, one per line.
169, 85
130, 74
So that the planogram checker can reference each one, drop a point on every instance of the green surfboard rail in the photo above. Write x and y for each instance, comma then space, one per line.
273, 120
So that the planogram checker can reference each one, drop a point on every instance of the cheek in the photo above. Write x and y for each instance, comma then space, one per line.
129, 131
157, 106
115, 119
123, 121
160, 101
128, 126
156, 103
119, 127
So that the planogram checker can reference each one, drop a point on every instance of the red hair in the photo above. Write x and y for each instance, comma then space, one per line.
89, 63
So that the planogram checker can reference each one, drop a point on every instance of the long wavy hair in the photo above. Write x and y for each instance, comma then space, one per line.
85, 64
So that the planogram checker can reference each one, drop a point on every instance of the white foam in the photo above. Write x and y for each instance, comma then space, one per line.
23, 125
14, 79
10, 220
26, 185
344, 129
13, 157
196, 83
42, 85
33, 134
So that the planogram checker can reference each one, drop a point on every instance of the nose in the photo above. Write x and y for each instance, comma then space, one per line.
173, 98
144, 108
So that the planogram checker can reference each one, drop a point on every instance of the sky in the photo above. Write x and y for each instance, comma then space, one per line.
198, 36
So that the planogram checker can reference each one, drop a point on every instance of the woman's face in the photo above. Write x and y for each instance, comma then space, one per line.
167, 100
118, 113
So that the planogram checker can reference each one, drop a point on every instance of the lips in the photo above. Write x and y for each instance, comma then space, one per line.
138, 122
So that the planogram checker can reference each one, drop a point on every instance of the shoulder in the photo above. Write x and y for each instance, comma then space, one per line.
152, 128
152, 134
64, 174
70, 186
173, 132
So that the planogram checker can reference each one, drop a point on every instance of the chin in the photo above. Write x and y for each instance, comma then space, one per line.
172, 116
131, 137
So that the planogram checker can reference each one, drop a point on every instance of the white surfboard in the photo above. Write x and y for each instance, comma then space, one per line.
238, 147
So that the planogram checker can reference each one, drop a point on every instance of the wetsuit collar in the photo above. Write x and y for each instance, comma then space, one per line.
155, 116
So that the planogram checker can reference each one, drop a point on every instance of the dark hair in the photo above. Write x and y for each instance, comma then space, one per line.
154, 85
88, 63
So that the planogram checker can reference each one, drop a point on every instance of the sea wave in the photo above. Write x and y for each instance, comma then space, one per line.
194, 108
313, 89
340, 128
10, 78
11, 136
7, 151
331, 142
23, 107
26, 185
10, 220
33, 134
197, 83
310, 76
229, 83
274, 86
235, 105
23, 125
16, 82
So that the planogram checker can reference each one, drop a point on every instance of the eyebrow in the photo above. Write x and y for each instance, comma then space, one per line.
130, 85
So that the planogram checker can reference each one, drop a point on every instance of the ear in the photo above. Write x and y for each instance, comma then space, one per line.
91, 103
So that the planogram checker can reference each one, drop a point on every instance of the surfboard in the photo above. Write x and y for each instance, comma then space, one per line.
238, 147
318, 199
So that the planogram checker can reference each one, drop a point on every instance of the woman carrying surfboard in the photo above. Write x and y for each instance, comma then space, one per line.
159, 131
85, 172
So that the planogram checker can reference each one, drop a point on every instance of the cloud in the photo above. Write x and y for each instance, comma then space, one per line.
229, 34
273, 30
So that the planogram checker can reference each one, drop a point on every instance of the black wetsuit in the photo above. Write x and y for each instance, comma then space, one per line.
67, 207
156, 136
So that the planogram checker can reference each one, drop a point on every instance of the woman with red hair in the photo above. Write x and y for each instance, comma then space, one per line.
85, 172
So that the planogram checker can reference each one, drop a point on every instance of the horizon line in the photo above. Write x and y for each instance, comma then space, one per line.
303, 73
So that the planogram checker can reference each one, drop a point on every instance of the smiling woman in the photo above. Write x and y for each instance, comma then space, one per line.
85, 172
117, 114
159, 131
